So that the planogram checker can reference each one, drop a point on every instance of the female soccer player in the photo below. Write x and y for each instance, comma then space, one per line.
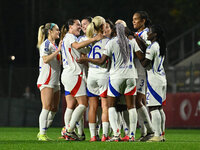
122, 78
98, 76
84, 23
141, 22
80, 125
75, 89
48, 80
156, 78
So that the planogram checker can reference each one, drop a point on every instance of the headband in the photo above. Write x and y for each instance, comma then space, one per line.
52, 25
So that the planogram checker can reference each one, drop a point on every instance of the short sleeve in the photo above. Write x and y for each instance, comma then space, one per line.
108, 49
150, 52
72, 39
45, 48
135, 46
84, 50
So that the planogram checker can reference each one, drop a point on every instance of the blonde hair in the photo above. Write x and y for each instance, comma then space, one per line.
95, 26
43, 32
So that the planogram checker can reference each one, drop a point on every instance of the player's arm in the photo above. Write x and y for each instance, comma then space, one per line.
97, 61
48, 58
80, 45
146, 62
140, 55
148, 58
141, 43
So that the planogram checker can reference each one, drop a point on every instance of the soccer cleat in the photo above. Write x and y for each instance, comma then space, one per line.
131, 139
63, 132
82, 137
155, 139
71, 136
163, 138
147, 137
43, 137
114, 139
140, 138
126, 138
104, 138
38, 135
98, 137
93, 139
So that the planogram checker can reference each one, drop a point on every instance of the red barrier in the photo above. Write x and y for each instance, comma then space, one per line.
183, 110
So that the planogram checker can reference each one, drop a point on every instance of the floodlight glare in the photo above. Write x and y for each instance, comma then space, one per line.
12, 58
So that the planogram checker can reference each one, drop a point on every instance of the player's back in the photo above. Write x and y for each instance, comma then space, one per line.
118, 68
157, 72
96, 52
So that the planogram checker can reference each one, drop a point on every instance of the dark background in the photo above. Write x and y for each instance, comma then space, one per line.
20, 20
19, 23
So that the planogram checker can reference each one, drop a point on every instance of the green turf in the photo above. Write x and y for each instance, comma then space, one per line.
25, 139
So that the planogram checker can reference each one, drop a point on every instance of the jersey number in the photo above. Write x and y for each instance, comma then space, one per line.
94, 52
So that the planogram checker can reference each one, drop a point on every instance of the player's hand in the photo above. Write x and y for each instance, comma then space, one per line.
60, 45
81, 60
98, 37
135, 35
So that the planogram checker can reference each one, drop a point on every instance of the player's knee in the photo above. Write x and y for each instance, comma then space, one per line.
54, 109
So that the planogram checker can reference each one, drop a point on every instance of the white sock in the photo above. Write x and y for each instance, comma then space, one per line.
125, 126
142, 127
146, 119
98, 127
43, 121
105, 128
113, 120
133, 121
50, 118
98, 123
156, 121
92, 127
163, 119
76, 116
119, 120
67, 116
80, 126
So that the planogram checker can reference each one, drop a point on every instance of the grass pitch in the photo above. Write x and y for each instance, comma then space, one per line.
25, 139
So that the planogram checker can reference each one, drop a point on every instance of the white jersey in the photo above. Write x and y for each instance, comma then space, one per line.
156, 78
49, 72
143, 35
69, 55
86, 49
96, 71
82, 38
140, 69
118, 68
156, 75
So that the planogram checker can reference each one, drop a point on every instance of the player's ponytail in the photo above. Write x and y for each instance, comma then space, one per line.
43, 32
90, 30
123, 42
41, 35
95, 26
63, 32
